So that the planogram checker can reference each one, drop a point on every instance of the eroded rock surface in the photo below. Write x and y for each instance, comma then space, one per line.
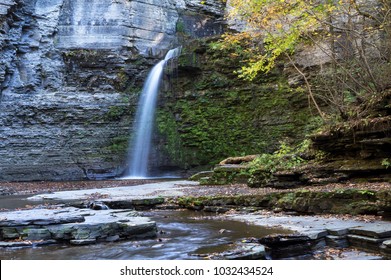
70, 74
72, 225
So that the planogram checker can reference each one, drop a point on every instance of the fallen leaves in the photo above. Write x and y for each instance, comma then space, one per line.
26, 188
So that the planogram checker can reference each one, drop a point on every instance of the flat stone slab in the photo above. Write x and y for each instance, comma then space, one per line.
373, 230
42, 217
73, 225
373, 236
137, 194
364, 239
239, 251
316, 226
26, 243
230, 168
245, 252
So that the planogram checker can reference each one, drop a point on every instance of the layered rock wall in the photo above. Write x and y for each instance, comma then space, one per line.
70, 75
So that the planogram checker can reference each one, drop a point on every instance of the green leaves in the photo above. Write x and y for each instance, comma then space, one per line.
279, 25
287, 157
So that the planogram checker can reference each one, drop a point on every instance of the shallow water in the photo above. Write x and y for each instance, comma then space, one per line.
181, 234
18, 202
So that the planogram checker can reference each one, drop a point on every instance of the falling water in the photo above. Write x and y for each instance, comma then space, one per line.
139, 151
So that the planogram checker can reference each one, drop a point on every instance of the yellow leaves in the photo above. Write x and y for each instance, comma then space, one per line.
283, 25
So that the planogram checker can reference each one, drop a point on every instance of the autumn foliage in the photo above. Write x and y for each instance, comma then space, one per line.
353, 35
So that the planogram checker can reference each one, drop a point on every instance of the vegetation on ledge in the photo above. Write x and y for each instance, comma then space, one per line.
303, 201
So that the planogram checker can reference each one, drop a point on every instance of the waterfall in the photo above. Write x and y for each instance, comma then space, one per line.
138, 156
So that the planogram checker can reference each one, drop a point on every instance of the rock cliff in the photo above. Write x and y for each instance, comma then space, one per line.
70, 74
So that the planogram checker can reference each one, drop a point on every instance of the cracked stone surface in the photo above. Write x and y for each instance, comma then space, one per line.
73, 225
131, 193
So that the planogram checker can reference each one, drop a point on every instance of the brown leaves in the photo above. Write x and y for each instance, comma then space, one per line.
27, 188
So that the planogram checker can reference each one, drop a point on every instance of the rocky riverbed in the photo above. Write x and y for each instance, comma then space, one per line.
73, 217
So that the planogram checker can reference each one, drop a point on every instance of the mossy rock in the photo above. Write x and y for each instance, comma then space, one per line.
210, 114
306, 202
225, 178
259, 179
201, 175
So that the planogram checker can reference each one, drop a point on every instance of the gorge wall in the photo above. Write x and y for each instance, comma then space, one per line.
71, 73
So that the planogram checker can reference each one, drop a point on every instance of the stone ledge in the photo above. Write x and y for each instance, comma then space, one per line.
76, 226
374, 231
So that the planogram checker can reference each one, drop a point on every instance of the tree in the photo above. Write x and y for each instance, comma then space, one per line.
353, 35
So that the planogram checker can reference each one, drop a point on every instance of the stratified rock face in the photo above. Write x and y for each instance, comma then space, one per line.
103, 24
77, 226
70, 74
4, 6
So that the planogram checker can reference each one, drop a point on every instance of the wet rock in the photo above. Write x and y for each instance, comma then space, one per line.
40, 217
385, 248
284, 241
17, 244
314, 235
36, 234
373, 230
365, 242
241, 251
82, 242
338, 232
9, 233
337, 241
139, 197
247, 252
137, 204
287, 246
97, 205
152, 193
76, 226
113, 238
387, 243
314, 232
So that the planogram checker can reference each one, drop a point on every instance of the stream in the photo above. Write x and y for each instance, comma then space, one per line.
182, 234
187, 235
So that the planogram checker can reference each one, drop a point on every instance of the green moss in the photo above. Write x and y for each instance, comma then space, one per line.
211, 114
81, 54
354, 202
171, 139
118, 145
115, 113
287, 200
180, 26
